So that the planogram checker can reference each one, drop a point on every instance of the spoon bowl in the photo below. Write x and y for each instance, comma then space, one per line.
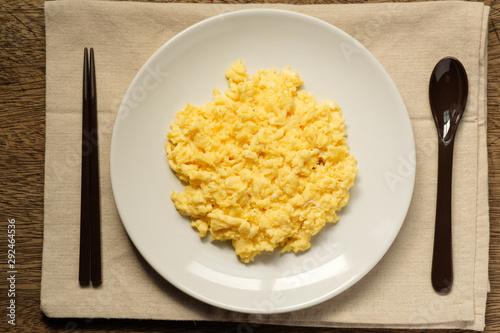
448, 90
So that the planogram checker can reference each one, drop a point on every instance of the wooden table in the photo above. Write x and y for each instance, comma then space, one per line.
22, 148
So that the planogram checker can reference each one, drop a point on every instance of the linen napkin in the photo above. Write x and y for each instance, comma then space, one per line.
407, 38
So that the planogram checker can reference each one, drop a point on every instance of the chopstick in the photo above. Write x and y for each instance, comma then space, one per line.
90, 211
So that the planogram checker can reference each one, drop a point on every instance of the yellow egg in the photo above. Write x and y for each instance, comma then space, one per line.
266, 165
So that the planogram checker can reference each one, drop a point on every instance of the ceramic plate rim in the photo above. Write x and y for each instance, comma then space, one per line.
140, 244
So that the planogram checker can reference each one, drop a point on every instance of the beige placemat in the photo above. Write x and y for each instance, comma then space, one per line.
407, 38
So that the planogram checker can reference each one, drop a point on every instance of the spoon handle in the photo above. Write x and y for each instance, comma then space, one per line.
442, 264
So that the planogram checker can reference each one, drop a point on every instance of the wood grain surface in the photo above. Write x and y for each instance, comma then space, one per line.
22, 149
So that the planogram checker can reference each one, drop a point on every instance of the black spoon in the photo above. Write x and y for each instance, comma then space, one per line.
448, 89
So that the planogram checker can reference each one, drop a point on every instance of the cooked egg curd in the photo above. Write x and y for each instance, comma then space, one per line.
265, 165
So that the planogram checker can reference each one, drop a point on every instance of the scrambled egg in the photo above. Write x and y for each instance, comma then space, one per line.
265, 165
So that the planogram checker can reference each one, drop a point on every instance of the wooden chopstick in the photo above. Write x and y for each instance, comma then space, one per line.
84, 270
95, 225
90, 212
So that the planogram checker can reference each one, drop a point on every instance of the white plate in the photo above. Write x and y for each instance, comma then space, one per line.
333, 66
